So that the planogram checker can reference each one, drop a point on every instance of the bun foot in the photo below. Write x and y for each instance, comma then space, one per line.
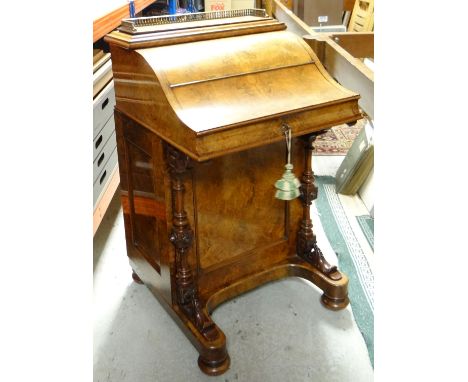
214, 367
334, 303
136, 278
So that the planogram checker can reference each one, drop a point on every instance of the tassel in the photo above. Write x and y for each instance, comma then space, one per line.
288, 186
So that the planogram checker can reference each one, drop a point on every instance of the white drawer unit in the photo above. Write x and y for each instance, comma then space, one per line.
103, 136
103, 108
102, 76
105, 164
103, 178
104, 156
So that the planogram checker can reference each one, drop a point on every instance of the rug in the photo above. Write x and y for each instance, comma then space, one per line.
351, 258
366, 222
338, 139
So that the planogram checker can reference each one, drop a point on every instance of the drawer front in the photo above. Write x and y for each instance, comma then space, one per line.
104, 156
103, 136
103, 107
104, 177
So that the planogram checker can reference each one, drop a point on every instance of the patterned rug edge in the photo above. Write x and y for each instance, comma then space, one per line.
351, 259
337, 140
366, 222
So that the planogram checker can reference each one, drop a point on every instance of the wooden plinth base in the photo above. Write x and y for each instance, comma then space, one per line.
334, 304
136, 278
214, 368
214, 359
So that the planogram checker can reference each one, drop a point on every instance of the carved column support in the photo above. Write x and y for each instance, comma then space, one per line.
307, 246
181, 236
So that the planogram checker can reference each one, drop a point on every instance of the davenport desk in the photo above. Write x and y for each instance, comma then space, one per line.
201, 102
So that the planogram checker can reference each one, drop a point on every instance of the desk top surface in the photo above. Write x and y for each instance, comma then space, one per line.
223, 82
230, 74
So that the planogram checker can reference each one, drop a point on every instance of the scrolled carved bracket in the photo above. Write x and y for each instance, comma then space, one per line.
306, 241
308, 191
177, 161
310, 252
182, 240
181, 237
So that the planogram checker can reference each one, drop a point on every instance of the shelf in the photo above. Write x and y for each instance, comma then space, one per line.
111, 20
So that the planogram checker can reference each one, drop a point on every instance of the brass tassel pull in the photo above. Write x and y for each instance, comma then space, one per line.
287, 188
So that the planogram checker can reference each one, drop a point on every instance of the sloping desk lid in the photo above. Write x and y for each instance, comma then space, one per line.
240, 80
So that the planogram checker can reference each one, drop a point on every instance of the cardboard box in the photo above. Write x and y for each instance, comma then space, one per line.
242, 4
217, 5
289, 3
319, 12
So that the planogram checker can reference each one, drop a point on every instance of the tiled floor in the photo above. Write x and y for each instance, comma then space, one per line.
278, 332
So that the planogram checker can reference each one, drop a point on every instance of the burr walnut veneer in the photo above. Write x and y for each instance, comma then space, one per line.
200, 105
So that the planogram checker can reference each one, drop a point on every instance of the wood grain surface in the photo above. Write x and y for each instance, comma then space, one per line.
108, 22
200, 139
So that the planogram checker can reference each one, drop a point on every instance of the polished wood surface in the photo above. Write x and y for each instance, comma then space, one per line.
104, 24
207, 103
223, 232
200, 145
164, 34
307, 246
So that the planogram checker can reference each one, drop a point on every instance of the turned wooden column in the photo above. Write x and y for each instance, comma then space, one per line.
181, 236
307, 246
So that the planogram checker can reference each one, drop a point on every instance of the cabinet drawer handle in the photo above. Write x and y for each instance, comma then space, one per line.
103, 176
104, 104
98, 142
101, 158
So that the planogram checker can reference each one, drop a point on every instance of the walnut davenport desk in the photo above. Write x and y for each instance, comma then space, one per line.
200, 104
